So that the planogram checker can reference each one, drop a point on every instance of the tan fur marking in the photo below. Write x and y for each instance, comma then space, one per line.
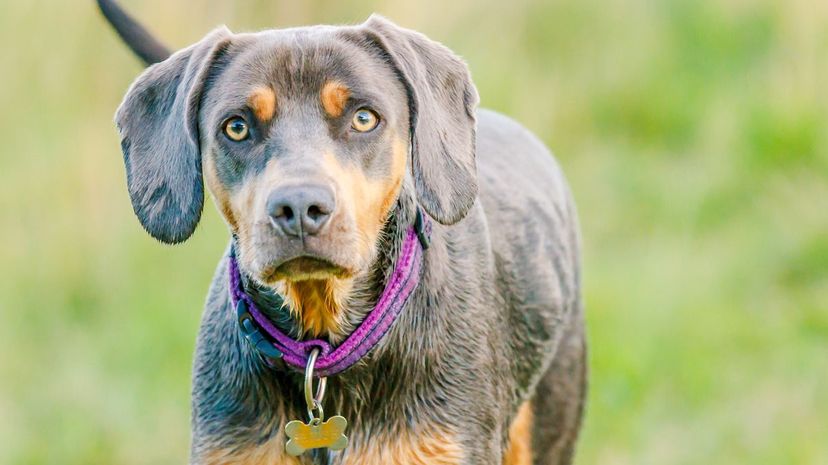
433, 448
519, 451
318, 303
218, 192
263, 103
242, 204
394, 182
334, 96
270, 452
369, 201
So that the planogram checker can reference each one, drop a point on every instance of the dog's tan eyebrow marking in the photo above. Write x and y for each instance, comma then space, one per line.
334, 96
263, 103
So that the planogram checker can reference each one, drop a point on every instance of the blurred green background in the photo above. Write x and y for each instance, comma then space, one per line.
693, 133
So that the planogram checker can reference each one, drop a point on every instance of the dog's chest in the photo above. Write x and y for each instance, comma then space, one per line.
427, 445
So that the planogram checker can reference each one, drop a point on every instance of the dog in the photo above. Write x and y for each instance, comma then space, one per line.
400, 260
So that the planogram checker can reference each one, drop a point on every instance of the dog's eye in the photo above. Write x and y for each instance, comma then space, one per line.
364, 120
236, 129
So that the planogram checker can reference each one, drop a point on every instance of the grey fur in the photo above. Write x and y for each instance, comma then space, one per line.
441, 100
497, 318
158, 122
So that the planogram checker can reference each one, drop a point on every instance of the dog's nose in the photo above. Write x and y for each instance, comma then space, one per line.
298, 210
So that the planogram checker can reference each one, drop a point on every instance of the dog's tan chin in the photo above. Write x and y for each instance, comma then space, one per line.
314, 290
304, 269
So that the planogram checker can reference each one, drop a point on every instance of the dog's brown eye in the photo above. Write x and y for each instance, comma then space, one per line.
236, 129
364, 120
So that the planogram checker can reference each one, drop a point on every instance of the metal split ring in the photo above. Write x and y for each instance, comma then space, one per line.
314, 402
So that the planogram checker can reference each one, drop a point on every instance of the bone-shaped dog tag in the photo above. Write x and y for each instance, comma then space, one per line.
316, 434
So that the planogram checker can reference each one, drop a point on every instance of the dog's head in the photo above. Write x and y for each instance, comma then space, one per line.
305, 138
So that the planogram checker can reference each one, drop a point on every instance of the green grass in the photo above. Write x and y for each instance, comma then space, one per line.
693, 133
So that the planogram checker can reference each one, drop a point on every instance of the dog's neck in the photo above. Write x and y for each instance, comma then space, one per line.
294, 318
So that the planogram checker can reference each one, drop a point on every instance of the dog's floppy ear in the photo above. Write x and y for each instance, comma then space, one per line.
158, 122
442, 102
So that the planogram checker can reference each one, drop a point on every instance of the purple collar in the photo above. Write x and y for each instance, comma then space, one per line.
332, 360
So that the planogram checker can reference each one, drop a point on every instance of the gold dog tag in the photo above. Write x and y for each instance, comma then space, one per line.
316, 434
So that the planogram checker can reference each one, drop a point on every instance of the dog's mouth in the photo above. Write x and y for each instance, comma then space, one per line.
304, 267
